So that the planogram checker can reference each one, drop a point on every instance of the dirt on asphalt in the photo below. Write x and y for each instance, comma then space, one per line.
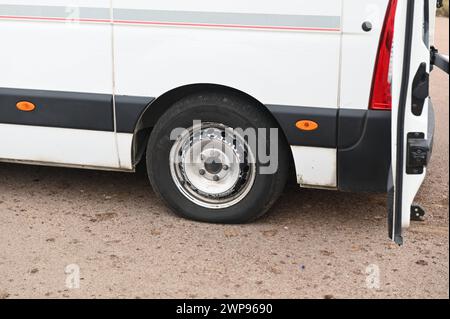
127, 244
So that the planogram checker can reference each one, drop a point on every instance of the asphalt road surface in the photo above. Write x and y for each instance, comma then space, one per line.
127, 244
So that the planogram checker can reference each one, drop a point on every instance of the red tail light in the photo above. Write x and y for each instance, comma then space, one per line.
381, 95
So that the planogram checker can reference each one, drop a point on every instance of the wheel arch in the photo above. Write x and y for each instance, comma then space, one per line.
160, 105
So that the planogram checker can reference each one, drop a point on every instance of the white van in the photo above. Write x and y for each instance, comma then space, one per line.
342, 84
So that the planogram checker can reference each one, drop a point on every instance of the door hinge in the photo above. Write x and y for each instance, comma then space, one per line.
439, 60
420, 89
417, 213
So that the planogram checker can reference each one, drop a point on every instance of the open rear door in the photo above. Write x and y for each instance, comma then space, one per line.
412, 110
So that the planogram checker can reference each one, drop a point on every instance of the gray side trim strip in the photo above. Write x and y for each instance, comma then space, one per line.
55, 12
226, 18
221, 19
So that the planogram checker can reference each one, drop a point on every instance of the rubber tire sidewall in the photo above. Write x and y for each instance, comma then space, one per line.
233, 113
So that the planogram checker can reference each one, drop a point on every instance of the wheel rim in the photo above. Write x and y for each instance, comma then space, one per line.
212, 166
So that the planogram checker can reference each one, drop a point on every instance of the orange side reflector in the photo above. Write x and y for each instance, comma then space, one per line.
307, 125
25, 106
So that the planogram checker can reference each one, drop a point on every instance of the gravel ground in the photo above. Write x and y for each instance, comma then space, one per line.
313, 244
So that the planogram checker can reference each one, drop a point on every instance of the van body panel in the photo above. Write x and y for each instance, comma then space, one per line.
281, 60
54, 145
57, 56
359, 50
49, 54
94, 69
315, 166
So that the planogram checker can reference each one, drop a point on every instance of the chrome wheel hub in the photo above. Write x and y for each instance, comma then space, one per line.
212, 166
